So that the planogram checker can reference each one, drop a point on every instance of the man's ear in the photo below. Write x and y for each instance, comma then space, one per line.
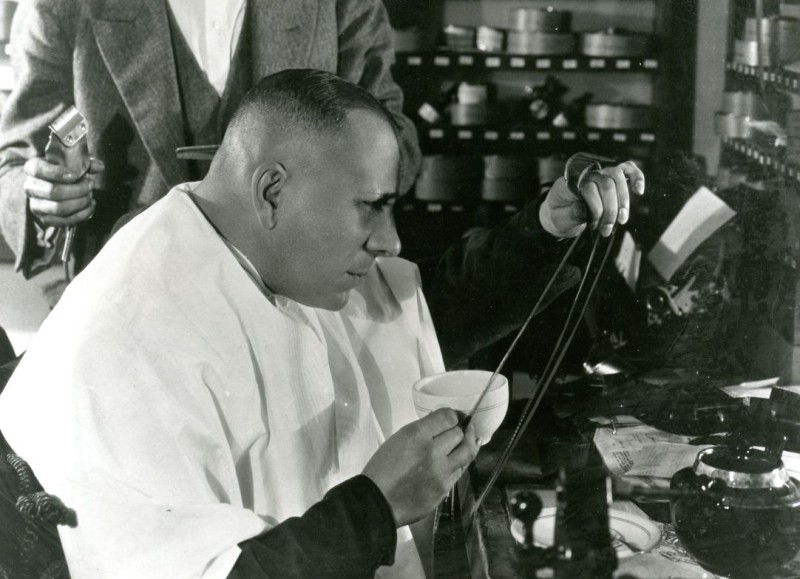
265, 190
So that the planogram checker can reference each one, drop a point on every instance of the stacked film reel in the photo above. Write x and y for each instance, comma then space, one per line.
619, 116
548, 32
615, 43
508, 179
793, 134
459, 37
540, 31
471, 106
738, 109
495, 178
504, 125
779, 39
488, 39
450, 179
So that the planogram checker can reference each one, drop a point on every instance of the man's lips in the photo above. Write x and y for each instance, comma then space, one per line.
361, 271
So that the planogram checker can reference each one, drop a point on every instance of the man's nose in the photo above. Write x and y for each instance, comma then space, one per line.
384, 240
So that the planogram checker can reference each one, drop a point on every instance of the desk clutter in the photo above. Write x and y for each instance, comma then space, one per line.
654, 490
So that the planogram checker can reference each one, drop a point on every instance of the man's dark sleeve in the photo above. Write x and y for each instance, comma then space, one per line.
484, 286
349, 533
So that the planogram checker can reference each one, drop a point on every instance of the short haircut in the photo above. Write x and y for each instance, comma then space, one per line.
305, 99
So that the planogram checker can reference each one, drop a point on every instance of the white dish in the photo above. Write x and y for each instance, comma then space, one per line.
636, 531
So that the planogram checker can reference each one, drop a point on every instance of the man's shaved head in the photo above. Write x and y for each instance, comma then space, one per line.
304, 185
302, 102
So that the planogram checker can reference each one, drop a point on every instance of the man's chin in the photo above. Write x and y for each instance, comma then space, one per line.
334, 303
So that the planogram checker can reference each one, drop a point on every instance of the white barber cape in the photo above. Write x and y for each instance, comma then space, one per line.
179, 410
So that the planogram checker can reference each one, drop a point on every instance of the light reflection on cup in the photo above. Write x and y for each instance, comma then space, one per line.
459, 390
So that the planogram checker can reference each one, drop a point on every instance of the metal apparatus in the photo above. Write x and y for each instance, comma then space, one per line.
583, 546
67, 147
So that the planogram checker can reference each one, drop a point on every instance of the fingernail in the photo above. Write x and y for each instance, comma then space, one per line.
68, 175
623, 215
594, 225
640, 187
606, 230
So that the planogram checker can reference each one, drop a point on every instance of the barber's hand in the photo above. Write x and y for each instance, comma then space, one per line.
58, 197
421, 462
606, 193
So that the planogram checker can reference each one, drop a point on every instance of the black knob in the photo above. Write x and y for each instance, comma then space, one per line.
526, 506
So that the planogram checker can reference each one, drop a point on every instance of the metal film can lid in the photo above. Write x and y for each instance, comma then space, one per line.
490, 39
506, 190
509, 167
748, 103
540, 43
466, 115
540, 19
452, 167
472, 94
619, 116
611, 43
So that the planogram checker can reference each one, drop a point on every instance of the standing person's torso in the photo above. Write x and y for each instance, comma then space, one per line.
144, 94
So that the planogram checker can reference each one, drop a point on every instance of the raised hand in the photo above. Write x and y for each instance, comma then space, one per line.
606, 194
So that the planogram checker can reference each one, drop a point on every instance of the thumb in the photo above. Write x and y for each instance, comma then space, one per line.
96, 166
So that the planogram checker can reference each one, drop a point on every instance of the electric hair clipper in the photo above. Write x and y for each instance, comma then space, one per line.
67, 147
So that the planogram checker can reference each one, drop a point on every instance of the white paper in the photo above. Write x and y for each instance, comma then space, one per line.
745, 392
757, 389
618, 450
628, 260
663, 460
760, 383
697, 220
791, 460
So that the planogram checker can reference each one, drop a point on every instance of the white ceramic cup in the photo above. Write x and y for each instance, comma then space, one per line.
459, 390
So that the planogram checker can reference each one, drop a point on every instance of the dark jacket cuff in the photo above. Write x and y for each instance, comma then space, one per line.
349, 533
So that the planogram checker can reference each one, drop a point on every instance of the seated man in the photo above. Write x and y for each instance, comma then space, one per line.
226, 390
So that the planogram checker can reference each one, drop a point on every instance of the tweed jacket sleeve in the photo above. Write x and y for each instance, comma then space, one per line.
365, 57
42, 58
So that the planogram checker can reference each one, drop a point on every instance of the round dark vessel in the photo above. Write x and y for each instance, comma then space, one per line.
742, 518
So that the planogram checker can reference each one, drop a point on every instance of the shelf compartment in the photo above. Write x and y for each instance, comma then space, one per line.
475, 60
489, 137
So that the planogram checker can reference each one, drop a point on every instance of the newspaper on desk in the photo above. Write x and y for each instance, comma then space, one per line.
629, 447
633, 450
